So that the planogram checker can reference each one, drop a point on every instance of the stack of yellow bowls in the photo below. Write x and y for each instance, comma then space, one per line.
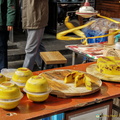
21, 76
37, 89
10, 95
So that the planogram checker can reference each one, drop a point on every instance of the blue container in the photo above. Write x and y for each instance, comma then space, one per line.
47, 118
58, 117
93, 33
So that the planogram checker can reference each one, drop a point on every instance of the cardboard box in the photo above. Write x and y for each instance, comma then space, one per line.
109, 50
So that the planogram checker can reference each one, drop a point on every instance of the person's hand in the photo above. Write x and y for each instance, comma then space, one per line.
9, 28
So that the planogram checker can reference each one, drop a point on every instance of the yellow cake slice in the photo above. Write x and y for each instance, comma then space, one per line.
88, 82
109, 65
69, 78
79, 80
76, 73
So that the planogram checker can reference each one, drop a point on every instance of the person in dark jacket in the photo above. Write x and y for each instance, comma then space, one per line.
34, 20
7, 18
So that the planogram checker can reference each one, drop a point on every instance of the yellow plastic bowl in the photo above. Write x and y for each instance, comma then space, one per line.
21, 75
9, 90
2, 78
37, 97
37, 84
10, 104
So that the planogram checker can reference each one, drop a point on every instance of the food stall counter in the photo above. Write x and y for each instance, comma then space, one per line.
54, 105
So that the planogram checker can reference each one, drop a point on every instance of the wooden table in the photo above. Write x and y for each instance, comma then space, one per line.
53, 105
92, 53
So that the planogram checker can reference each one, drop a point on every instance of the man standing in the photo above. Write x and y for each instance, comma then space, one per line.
7, 18
34, 19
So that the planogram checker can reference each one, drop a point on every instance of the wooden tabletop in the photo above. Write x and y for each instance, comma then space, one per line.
53, 105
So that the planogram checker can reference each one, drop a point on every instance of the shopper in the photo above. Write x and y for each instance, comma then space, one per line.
34, 20
7, 18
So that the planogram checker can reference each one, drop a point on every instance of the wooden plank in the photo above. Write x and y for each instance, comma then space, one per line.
53, 57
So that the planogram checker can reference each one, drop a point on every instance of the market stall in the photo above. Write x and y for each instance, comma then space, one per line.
55, 105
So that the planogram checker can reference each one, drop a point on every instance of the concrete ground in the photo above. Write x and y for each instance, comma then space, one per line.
16, 49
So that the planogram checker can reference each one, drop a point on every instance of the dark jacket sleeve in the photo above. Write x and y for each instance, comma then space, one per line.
11, 11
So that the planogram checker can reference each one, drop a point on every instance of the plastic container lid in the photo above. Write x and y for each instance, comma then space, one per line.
8, 72
33, 93
19, 84
12, 100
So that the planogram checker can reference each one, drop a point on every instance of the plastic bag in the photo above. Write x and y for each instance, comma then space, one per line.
100, 27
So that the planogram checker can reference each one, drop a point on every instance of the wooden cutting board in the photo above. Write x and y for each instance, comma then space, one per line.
91, 69
56, 81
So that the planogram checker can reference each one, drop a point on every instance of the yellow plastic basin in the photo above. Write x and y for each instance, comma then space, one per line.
21, 75
9, 90
37, 84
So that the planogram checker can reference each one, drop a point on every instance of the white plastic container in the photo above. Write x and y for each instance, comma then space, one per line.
117, 45
8, 73
37, 97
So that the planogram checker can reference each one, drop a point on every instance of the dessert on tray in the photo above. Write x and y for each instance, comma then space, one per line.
107, 68
109, 65
66, 82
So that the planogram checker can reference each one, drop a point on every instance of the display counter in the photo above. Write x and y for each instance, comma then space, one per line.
54, 105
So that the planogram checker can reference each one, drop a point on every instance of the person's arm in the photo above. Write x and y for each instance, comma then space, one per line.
11, 10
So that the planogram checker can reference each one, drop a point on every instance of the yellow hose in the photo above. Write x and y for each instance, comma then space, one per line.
75, 38
108, 19
69, 25
61, 35
75, 30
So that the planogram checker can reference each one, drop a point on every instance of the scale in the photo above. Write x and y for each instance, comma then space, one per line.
86, 11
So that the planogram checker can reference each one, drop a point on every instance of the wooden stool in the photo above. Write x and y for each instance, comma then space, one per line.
52, 58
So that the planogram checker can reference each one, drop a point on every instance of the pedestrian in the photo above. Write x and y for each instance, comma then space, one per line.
7, 19
34, 20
